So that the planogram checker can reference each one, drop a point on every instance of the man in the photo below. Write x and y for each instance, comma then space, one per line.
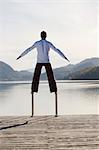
43, 46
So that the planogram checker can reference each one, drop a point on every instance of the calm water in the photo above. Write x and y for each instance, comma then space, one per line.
74, 97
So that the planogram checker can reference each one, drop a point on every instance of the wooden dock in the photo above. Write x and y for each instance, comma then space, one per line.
76, 132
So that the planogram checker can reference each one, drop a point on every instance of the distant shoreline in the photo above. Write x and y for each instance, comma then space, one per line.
46, 81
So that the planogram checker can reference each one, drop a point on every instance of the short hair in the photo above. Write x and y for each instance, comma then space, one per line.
43, 34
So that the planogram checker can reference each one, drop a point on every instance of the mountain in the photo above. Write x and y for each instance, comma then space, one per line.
80, 70
91, 73
32, 70
85, 70
60, 73
7, 73
77, 71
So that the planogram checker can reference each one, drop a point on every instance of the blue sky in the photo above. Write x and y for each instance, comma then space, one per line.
71, 26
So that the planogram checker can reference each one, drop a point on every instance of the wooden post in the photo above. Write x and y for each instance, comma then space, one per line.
32, 104
56, 104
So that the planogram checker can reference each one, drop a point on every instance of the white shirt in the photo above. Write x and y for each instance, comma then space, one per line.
43, 47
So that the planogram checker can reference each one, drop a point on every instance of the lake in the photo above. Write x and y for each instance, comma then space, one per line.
74, 97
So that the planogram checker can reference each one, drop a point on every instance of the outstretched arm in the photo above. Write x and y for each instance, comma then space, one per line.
26, 51
58, 51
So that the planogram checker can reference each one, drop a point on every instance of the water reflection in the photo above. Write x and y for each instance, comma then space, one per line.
74, 97
5, 87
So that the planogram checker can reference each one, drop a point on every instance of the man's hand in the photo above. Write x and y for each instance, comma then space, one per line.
18, 57
67, 59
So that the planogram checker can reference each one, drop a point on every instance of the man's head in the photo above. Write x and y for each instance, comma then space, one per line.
43, 35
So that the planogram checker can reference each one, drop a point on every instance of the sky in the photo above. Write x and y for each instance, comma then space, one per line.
71, 25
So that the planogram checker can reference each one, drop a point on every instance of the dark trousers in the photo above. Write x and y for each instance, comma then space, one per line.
36, 77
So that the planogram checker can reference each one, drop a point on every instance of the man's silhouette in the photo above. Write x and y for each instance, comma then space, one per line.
43, 46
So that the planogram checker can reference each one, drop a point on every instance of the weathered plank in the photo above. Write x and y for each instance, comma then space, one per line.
78, 132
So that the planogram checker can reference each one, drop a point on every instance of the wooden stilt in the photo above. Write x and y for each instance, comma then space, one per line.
32, 104
56, 103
